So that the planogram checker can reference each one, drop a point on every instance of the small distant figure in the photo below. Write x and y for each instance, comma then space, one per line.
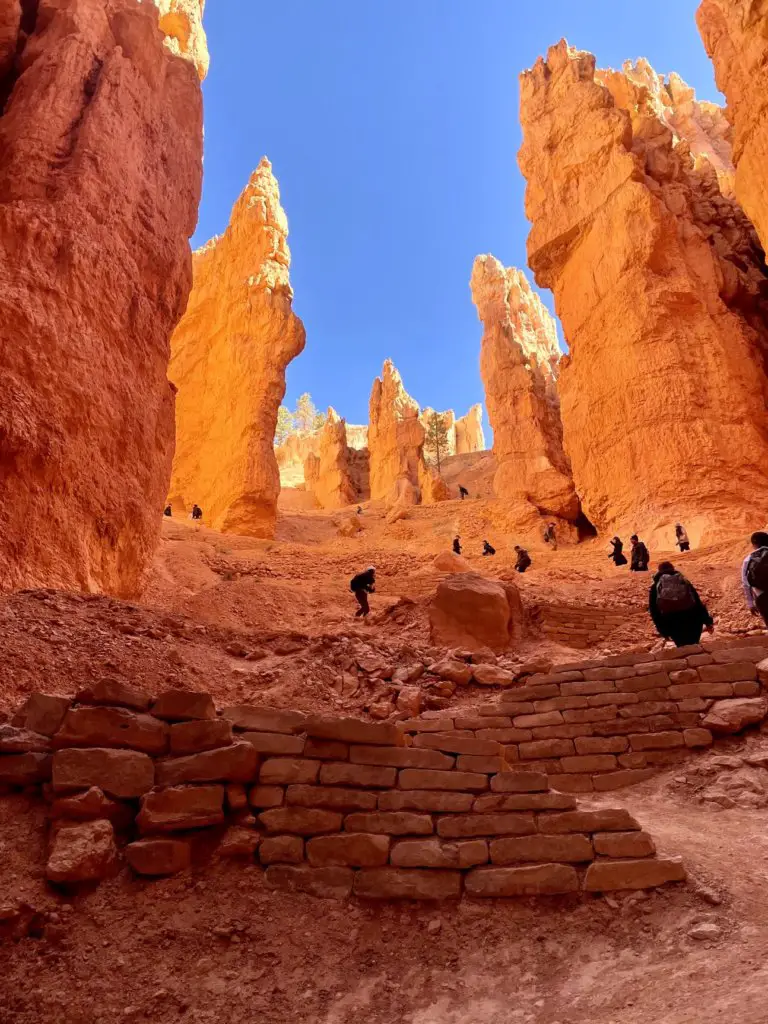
754, 575
361, 586
677, 611
523, 559
463, 492
617, 553
167, 511
640, 556
457, 545
487, 549
359, 510
550, 537
197, 512
682, 537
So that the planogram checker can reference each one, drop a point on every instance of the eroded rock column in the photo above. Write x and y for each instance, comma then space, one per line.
395, 440
330, 475
469, 432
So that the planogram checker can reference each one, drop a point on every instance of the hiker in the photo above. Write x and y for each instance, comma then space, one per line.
523, 559
457, 545
167, 511
754, 575
359, 510
487, 549
361, 586
617, 554
197, 512
549, 535
640, 556
463, 492
682, 538
677, 611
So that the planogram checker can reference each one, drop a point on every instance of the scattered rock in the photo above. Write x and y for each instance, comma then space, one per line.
732, 716
84, 852
706, 931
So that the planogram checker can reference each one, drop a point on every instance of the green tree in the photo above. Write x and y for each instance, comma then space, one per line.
436, 439
305, 415
285, 425
320, 419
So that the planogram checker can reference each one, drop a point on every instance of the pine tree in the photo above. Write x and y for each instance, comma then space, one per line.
436, 439
285, 425
305, 416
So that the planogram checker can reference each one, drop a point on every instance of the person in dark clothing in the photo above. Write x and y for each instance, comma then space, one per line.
197, 512
167, 511
457, 545
754, 575
361, 586
463, 492
640, 556
617, 554
550, 537
487, 549
359, 510
682, 537
523, 559
677, 611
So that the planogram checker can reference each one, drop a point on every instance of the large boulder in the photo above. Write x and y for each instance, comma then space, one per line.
471, 612
731, 716
83, 852
447, 561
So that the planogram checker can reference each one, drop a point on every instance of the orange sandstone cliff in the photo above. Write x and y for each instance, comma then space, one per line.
229, 356
469, 432
519, 360
735, 34
100, 173
336, 474
658, 281
182, 23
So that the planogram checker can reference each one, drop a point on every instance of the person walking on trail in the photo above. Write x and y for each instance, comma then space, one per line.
640, 557
463, 492
167, 511
361, 586
523, 559
617, 553
677, 611
487, 549
550, 537
457, 545
682, 537
197, 512
754, 576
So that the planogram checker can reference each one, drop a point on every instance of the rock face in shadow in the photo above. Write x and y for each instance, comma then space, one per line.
100, 174
735, 34
519, 361
469, 432
229, 356
395, 440
658, 279
337, 475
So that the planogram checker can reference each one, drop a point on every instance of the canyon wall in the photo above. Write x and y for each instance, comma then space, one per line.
228, 360
658, 280
735, 34
100, 175
469, 432
336, 475
395, 440
519, 360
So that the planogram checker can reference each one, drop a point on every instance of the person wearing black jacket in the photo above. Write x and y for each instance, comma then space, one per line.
677, 611
640, 557
361, 586
617, 554
457, 545
488, 549
523, 559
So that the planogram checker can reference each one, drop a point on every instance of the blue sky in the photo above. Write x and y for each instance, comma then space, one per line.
392, 127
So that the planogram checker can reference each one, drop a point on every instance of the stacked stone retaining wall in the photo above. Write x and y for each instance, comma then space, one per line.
581, 626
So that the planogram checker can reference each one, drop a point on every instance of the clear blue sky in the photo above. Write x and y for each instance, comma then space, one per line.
392, 127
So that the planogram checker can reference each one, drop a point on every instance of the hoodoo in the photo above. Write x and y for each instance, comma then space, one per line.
519, 362
395, 440
100, 173
469, 432
229, 356
337, 475
664, 392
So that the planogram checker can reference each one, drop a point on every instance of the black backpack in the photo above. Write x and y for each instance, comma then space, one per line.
757, 569
674, 594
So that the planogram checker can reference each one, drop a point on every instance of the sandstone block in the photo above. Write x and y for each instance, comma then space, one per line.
281, 850
90, 805
85, 852
14, 740
462, 826
546, 748
732, 673
657, 741
157, 857
610, 875
520, 707
125, 774
351, 849
400, 757
405, 884
180, 808
601, 744
426, 800
535, 721
334, 798
743, 655
604, 714
422, 778
42, 713
274, 743
567, 849
112, 727
326, 750
505, 735
341, 774
327, 883
538, 880
520, 782
688, 675
393, 823
747, 689
265, 797
574, 783
478, 721
285, 770
538, 691
25, 769
652, 681
697, 737
689, 690
456, 744
633, 760
236, 763
624, 844
563, 732
303, 821
181, 705
352, 730
587, 688
195, 737
247, 717
621, 726
589, 763
115, 692
560, 704
648, 709
488, 765
496, 802
471, 611
433, 853
236, 797
727, 717
492, 675
609, 820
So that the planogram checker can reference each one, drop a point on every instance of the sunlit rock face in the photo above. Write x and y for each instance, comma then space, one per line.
395, 440
469, 432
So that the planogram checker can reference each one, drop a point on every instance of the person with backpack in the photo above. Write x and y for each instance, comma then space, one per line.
682, 537
488, 549
197, 512
640, 557
617, 553
463, 492
677, 611
523, 559
550, 537
361, 586
754, 575
457, 545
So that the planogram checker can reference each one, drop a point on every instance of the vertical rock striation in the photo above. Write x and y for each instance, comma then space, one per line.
228, 361
100, 173
469, 432
519, 362
395, 440
659, 281
735, 34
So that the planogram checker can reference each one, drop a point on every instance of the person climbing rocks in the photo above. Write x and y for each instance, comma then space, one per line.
682, 537
617, 552
523, 559
361, 586
677, 611
640, 557
487, 549
550, 537
463, 492
754, 575
197, 512
457, 545
359, 510
167, 511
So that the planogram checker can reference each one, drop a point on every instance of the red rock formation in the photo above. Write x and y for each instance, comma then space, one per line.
229, 356
469, 432
329, 475
519, 360
395, 440
100, 171
182, 23
448, 419
291, 456
664, 393
735, 34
